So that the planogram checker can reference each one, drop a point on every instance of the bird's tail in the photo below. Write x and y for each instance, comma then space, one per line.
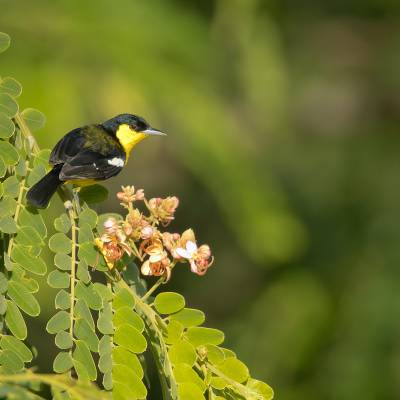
40, 194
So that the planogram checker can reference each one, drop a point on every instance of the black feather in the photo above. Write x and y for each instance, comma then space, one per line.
40, 194
90, 165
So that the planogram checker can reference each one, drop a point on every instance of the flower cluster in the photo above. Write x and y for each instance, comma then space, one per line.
139, 235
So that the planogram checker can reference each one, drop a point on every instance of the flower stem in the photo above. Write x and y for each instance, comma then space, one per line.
153, 288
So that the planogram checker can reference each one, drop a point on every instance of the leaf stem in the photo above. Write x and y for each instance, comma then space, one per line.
59, 381
72, 216
158, 345
26, 132
17, 211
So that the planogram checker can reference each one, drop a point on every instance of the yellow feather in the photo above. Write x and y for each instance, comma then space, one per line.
128, 138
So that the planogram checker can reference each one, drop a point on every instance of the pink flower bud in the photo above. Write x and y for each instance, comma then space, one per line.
147, 232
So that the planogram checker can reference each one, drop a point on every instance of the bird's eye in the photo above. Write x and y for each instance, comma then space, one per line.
139, 126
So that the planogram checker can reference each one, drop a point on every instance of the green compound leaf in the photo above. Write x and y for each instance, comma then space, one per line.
125, 315
34, 119
7, 127
62, 300
42, 158
11, 361
31, 284
8, 225
199, 336
105, 346
214, 353
88, 216
105, 363
128, 359
107, 381
63, 340
104, 292
89, 295
85, 234
58, 322
82, 311
174, 332
228, 353
129, 337
58, 280
82, 273
60, 243
122, 376
218, 383
5, 41
20, 168
37, 173
189, 317
104, 322
261, 388
182, 352
185, 374
10, 86
3, 283
8, 152
190, 391
122, 391
62, 363
18, 347
11, 186
7, 206
28, 236
93, 194
84, 332
3, 305
23, 298
88, 253
81, 371
62, 223
123, 298
3, 167
83, 356
8, 105
15, 322
169, 302
31, 217
63, 261
25, 259
234, 369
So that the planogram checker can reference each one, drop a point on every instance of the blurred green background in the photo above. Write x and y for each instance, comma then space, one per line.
283, 121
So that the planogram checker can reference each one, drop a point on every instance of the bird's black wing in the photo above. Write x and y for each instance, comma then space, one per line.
90, 137
92, 165
68, 146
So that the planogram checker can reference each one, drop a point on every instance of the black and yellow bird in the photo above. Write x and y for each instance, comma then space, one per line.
91, 153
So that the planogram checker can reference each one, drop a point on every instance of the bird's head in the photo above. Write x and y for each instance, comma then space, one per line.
130, 129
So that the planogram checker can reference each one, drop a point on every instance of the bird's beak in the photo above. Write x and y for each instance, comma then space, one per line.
153, 131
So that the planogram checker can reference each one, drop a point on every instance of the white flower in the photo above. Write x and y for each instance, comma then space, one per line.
189, 252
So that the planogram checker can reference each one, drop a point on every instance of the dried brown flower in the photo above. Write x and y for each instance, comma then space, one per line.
163, 209
128, 194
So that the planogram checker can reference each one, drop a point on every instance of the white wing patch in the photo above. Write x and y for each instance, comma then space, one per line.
116, 161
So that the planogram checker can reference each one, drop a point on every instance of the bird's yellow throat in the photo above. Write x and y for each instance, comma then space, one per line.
129, 138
